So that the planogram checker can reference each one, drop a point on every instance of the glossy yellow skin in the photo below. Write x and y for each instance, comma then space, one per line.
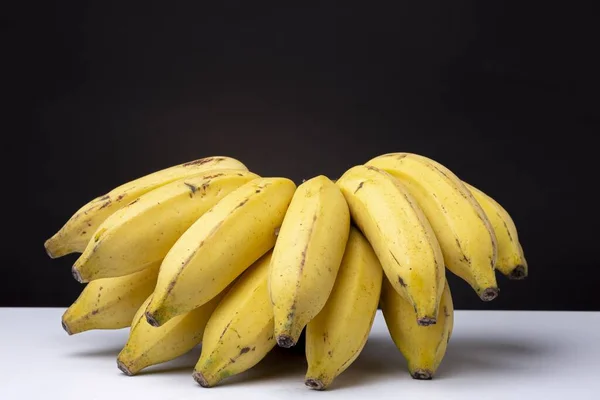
144, 231
337, 335
148, 345
110, 303
400, 234
511, 259
240, 331
219, 246
463, 230
423, 347
307, 256
74, 236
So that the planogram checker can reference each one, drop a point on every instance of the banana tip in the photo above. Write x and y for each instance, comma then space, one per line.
48, 248
285, 341
422, 374
66, 328
151, 319
124, 368
200, 379
315, 384
489, 294
426, 321
76, 274
518, 273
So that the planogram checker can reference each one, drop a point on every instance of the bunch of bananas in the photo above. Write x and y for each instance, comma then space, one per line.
210, 252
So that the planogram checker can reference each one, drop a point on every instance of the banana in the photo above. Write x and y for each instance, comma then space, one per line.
511, 259
239, 333
307, 256
423, 347
463, 230
110, 303
74, 236
148, 345
142, 232
400, 234
336, 336
219, 246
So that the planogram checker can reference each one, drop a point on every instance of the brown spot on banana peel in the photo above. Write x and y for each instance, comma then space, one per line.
191, 187
360, 185
505, 227
426, 321
224, 330
120, 197
244, 350
446, 312
202, 161
106, 204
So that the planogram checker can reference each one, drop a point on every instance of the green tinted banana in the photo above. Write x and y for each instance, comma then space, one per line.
511, 259
74, 236
463, 230
110, 303
148, 345
336, 336
219, 246
307, 256
239, 333
142, 232
400, 234
423, 347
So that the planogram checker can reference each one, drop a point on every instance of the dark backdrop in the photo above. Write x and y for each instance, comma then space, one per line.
503, 93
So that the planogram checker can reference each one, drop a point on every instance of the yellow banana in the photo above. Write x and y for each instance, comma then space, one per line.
511, 259
239, 333
336, 336
423, 347
110, 303
148, 345
219, 246
400, 234
74, 236
463, 230
307, 256
143, 231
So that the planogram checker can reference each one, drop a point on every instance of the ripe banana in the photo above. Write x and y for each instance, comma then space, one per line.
219, 246
74, 236
423, 347
336, 336
511, 259
463, 230
142, 232
400, 234
239, 333
110, 303
307, 256
148, 345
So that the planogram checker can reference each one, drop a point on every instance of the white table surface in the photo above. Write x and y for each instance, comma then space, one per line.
492, 355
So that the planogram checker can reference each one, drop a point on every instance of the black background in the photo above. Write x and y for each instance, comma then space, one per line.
503, 93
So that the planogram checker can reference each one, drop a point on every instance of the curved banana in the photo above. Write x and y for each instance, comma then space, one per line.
423, 347
148, 345
463, 230
511, 259
239, 333
142, 232
219, 246
400, 234
110, 303
74, 236
336, 336
307, 256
